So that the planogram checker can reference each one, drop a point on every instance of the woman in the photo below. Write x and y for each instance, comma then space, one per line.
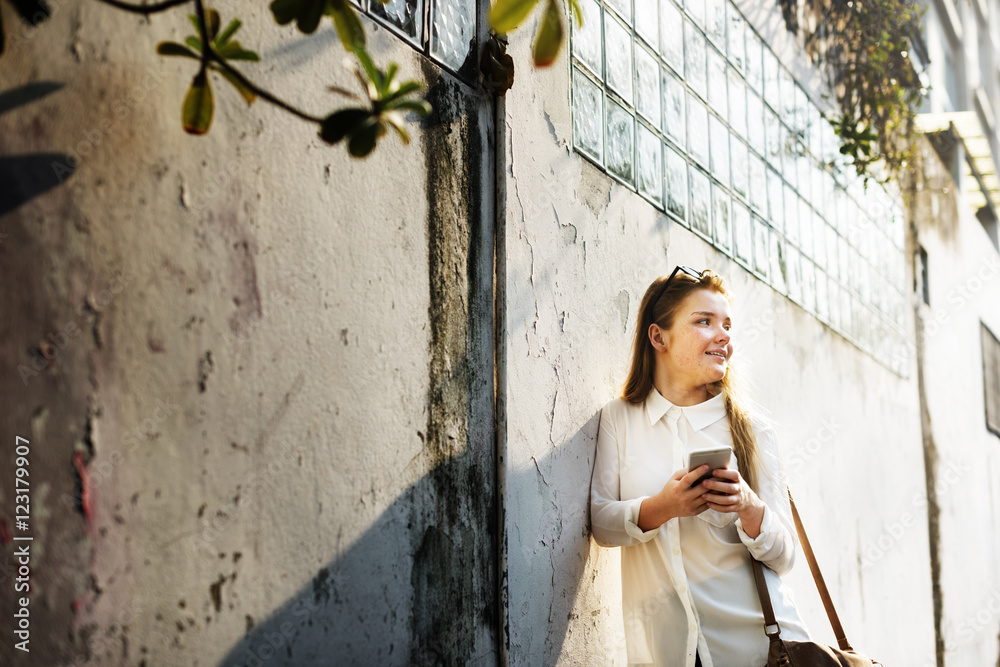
687, 584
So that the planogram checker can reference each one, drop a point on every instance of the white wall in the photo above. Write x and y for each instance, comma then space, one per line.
581, 250
964, 280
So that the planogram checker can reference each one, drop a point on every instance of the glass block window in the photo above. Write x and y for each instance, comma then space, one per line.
405, 17
619, 140
650, 166
647, 85
683, 102
701, 203
443, 29
991, 378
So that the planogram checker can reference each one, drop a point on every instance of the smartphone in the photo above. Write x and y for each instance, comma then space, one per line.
715, 457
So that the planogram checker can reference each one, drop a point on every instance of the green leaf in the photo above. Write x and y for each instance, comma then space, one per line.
389, 85
345, 92
212, 23
224, 38
419, 107
577, 10
347, 23
506, 15
240, 87
338, 125
198, 106
396, 122
175, 49
235, 51
362, 142
403, 90
193, 18
193, 42
549, 38
309, 15
372, 72
285, 11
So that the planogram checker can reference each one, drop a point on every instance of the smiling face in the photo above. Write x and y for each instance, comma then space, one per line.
695, 350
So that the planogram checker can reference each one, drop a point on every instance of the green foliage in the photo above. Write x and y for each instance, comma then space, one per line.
865, 46
507, 15
550, 35
308, 13
31, 12
199, 106
199, 103
389, 101
362, 127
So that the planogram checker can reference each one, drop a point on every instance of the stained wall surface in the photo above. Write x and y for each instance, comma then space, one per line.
963, 297
263, 429
283, 417
580, 250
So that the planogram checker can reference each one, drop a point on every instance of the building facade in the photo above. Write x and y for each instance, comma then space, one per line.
290, 408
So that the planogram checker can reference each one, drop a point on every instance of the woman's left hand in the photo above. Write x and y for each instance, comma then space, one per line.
733, 494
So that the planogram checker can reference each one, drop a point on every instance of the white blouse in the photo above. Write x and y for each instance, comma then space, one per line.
688, 585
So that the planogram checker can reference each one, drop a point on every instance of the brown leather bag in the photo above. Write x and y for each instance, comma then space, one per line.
788, 653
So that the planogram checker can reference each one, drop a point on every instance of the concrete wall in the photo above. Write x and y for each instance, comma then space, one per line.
580, 250
964, 291
264, 430
275, 387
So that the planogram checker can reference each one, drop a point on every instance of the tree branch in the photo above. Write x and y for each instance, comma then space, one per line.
208, 53
258, 91
145, 9
206, 42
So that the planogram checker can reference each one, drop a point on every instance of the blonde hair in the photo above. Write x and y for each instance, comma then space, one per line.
659, 307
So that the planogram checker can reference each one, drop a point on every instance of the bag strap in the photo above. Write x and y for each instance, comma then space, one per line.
824, 593
765, 598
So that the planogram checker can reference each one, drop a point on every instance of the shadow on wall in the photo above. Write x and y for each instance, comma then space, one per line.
24, 177
558, 549
416, 588
413, 590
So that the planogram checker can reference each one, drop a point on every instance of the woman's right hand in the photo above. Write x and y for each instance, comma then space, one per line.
680, 496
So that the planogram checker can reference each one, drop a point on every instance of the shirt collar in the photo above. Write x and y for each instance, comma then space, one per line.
699, 416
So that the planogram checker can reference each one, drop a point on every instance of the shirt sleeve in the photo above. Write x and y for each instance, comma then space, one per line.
614, 522
776, 544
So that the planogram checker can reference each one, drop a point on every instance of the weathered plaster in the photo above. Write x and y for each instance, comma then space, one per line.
284, 418
848, 428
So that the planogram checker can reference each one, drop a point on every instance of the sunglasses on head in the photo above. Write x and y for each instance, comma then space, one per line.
694, 273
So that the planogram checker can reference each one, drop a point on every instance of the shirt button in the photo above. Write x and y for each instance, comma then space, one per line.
677, 551
693, 628
682, 589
